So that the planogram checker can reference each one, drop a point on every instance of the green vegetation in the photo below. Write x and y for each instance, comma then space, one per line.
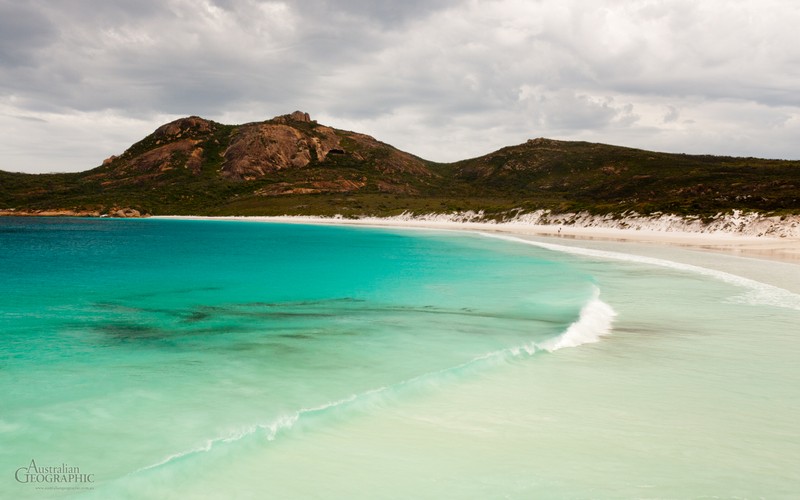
184, 173
609, 179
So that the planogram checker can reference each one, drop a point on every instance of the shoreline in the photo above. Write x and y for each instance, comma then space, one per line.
783, 249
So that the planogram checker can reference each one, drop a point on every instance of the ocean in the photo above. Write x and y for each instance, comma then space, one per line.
161, 358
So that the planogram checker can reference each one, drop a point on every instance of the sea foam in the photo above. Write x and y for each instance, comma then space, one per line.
595, 321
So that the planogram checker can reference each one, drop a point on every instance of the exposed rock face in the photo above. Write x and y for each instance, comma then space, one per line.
174, 145
195, 160
183, 126
297, 116
259, 149
163, 158
125, 212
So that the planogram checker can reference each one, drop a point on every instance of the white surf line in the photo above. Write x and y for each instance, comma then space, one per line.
594, 321
272, 429
760, 293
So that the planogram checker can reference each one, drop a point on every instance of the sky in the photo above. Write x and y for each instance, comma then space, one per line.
81, 80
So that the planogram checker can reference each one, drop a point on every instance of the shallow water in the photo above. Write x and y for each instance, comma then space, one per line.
176, 359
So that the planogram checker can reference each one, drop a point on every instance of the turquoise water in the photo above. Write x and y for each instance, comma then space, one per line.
213, 359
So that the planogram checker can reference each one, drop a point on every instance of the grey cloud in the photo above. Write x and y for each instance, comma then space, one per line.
23, 30
672, 114
429, 74
566, 110
385, 14
109, 12
30, 119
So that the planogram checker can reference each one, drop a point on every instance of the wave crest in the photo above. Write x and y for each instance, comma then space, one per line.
594, 321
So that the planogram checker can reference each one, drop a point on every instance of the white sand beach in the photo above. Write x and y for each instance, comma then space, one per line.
784, 248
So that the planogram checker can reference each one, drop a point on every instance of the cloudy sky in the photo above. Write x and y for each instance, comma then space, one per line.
81, 80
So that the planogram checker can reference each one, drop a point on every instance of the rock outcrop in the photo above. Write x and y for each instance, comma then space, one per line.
182, 153
296, 117
171, 146
259, 149
191, 125
125, 213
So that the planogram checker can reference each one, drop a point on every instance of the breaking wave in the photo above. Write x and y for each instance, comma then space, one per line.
594, 321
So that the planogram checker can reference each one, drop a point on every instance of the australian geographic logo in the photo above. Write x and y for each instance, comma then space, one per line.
62, 474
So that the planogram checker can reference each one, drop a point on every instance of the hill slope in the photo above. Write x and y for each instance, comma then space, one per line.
293, 165
607, 179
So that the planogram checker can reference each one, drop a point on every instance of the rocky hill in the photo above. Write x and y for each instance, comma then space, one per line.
293, 165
